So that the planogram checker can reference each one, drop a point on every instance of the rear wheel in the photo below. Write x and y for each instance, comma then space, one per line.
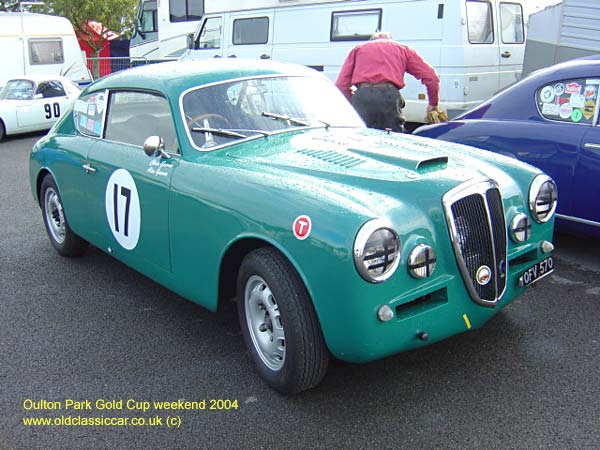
279, 323
61, 236
2, 130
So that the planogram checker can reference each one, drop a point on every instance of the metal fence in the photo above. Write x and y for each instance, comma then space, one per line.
102, 66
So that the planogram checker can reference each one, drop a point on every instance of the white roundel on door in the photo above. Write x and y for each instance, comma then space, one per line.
123, 208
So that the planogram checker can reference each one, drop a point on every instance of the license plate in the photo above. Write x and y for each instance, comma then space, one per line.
537, 272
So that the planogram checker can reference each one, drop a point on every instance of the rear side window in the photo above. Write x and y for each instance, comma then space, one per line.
572, 100
49, 89
355, 25
480, 22
511, 20
135, 116
88, 112
251, 30
46, 51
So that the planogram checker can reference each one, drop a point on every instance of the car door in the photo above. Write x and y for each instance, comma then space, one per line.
209, 41
128, 190
48, 104
250, 36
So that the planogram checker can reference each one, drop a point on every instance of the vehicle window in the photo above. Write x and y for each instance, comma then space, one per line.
511, 20
148, 17
251, 30
573, 100
88, 113
210, 35
354, 25
50, 89
226, 112
185, 10
17, 90
479, 22
46, 51
135, 116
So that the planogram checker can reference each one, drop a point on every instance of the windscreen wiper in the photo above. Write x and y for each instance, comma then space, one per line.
220, 132
287, 118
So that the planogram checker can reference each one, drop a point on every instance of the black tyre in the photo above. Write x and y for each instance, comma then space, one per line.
279, 323
2, 130
61, 236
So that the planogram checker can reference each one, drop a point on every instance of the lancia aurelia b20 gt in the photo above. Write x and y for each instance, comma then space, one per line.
257, 181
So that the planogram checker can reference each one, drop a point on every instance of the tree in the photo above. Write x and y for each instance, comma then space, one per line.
113, 15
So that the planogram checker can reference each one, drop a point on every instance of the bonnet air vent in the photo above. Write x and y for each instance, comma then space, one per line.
333, 157
432, 163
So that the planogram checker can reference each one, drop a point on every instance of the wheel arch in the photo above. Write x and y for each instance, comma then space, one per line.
232, 260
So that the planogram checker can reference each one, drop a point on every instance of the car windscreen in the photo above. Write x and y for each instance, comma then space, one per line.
17, 90
223, 113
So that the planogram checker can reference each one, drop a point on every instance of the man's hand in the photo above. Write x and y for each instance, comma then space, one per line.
428, 111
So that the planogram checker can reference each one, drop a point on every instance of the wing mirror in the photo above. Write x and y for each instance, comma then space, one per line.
155, 145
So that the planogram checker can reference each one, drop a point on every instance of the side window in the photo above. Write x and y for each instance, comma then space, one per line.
511, 20
88, 112
148, 21
135, 116
354, 25
210, 35
49, 89
185, 10
573, 100
252, 30
479, 22
46, 51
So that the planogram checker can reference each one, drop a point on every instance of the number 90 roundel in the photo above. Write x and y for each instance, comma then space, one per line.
123, 208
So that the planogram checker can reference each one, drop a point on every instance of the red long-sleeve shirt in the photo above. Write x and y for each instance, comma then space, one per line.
382, 60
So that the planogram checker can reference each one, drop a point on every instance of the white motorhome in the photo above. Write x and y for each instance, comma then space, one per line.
37, 44
162, 28
476, 46
562, 32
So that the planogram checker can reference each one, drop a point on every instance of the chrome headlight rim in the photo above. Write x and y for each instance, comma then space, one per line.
430, 261
362, 237
534, 191
516, 227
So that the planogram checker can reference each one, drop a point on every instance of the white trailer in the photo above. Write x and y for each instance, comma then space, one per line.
562, 32
37, 44
476, 46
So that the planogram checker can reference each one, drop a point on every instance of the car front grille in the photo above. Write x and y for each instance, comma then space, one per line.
477, 227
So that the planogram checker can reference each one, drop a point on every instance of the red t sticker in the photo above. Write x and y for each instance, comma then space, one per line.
302, 227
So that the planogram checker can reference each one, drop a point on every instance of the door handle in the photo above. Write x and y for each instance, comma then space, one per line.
506, 54
595, 148
265, 56
88, 168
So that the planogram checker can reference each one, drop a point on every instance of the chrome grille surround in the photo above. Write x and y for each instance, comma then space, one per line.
477, 226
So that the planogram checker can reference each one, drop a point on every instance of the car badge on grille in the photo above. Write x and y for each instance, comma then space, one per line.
483, 275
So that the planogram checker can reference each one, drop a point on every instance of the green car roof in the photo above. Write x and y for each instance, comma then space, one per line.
182, 75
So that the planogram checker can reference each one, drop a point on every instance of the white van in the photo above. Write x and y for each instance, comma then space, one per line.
37, 44
476, 46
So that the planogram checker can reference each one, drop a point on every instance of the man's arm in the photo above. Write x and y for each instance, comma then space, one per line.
344, 79
418, 68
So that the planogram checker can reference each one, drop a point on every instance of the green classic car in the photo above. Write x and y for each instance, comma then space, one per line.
258, 182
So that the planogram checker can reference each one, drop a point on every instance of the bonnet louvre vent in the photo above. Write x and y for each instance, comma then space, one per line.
333, 157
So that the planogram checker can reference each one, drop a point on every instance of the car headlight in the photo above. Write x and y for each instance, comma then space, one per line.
542, 198
421, 261
376, 251
520, 228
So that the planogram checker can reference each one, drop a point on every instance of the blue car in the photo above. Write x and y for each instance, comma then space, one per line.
550, 120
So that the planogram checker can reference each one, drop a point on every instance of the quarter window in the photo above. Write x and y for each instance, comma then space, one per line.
355, 25
253, 30
46, 51
88, 113
50, 89
135, 116
479, 22
210, 35
572, 100
511, 20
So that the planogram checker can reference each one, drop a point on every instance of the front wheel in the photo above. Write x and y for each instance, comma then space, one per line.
61, 236
279, 323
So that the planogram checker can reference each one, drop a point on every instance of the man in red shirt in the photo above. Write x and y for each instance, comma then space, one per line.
377, 69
